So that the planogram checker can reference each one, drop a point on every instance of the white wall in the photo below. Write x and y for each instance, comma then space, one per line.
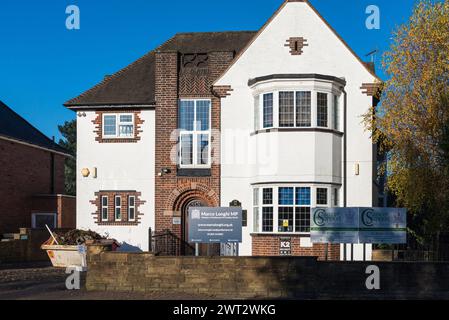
124, 166
297, 156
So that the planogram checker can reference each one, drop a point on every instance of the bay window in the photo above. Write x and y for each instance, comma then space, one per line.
297, 109
287, 209
195, 133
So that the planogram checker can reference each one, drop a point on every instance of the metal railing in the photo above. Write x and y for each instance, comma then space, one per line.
166, 243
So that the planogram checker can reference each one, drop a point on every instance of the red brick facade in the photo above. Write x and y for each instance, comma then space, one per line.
269, 245
98, 122
174, 81
25, 172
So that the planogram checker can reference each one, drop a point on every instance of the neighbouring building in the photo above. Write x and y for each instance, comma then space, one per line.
269, 120
31, 178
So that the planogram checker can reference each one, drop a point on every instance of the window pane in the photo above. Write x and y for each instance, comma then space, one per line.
202, 115
187, 149
256, 113
303, 109
118, 201
336, 198
268, 196
268, 110
286, 196
126, 118
186, 115
322, 109
256, 220
336, 113
131, 214
126, 130
321, 196
203, 149
267, 219
110, 125
104, 214
131, 201
285, 221
286, 109
256, 196
118, 214
302, 219
303, 196
104, 201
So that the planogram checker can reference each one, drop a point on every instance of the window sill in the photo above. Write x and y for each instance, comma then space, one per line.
194, 172
305, 129
279, 234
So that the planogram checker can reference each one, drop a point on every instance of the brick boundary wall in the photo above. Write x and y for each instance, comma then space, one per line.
268, 245
264, 277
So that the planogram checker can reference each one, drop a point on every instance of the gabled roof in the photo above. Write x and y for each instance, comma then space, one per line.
366, 65
14, 127
135, 84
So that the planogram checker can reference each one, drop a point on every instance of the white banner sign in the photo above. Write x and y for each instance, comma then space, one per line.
359, 225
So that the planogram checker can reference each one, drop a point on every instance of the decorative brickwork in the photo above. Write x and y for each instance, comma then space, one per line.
371, 89
296, 44
98, 122
269, 244
111, 208
222, 91
194, 82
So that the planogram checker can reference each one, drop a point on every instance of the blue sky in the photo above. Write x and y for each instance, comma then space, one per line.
43, 64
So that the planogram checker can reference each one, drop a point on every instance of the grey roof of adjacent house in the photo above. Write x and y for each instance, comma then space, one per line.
13, 126
135, 84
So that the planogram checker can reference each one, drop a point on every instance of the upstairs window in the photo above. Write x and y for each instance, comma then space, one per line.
303, 109
268, 110
286, 109
118, 126
195, 134
322, 120
336, 113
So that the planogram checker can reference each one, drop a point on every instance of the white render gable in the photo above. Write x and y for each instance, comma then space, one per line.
282, 158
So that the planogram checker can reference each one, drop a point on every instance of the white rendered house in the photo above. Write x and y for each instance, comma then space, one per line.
270, 120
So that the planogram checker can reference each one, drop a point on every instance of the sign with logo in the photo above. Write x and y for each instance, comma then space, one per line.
215, 225
334, 225
285, 246
359, 225
383, 225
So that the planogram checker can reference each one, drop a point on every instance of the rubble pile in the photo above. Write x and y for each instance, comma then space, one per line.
78, 237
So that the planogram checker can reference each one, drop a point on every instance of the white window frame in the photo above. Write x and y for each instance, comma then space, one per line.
117, 207
276, 205
105, 207
117, 126
34, 215
131, 207
196, 133
313, 108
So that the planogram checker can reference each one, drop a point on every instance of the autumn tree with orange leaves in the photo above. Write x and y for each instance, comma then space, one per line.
411, 122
